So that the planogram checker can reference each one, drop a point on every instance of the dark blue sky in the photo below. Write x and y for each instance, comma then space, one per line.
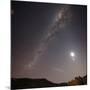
43, 35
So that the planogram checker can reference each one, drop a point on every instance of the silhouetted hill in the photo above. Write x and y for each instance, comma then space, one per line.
24, 83
33, 83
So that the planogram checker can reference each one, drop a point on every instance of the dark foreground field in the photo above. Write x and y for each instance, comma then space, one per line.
24, 83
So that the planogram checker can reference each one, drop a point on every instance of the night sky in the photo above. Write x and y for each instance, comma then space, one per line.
48, 41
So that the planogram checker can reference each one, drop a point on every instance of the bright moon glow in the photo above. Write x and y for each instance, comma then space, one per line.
72, 54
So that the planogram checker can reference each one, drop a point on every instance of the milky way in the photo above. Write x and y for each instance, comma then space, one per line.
62, 17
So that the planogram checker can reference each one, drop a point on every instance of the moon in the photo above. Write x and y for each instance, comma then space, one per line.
72, 54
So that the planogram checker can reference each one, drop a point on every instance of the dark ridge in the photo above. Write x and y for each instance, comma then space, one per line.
24, 83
